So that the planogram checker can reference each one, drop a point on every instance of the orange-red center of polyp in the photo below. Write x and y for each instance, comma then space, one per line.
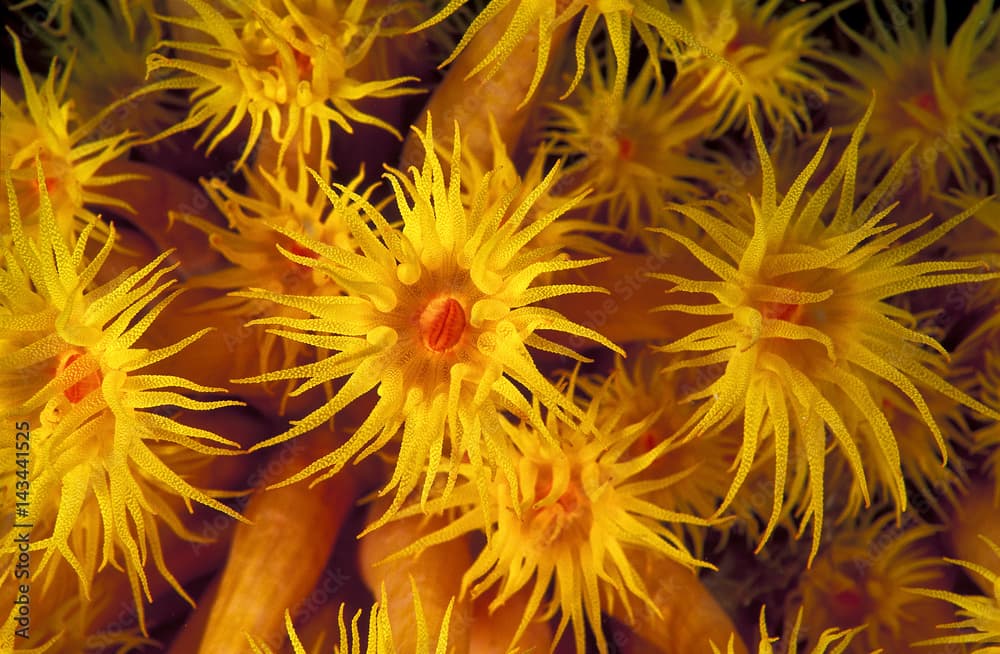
442, 323
625, 148
734, 44
648, 441
781, 311
304, 63
568, 519
85, 386
571, 499
51, 185
301, 251
850, 606
926, 101
51, 182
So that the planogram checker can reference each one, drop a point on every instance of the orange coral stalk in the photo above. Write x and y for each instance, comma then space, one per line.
292, 535
437, 572
493, 630
689, 617
153, 193
469, 96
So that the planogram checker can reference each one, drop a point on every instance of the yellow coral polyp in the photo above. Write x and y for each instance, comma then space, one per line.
859, 582
475, 257
650, 21
582, 503
100, 485
285, 64
805, 324
45, 125
937, 97
632, 150
776, 56
640, 388
60, 13
107, 68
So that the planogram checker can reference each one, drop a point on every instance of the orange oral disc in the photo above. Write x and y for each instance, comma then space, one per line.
442, 324
85, 386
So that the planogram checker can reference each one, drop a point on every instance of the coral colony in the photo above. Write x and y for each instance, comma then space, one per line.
491, 326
